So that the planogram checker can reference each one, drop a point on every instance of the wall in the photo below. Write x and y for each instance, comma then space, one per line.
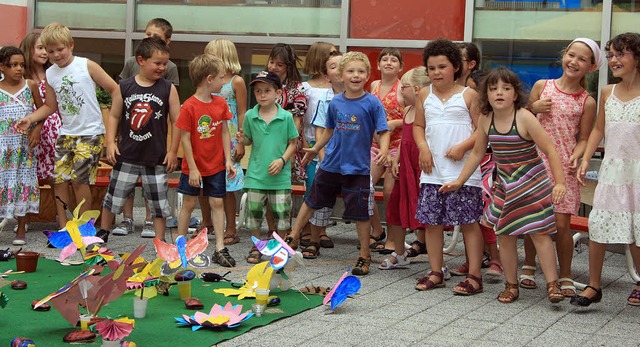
13, 19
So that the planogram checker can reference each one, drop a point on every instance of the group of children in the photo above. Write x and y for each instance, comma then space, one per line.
436, 133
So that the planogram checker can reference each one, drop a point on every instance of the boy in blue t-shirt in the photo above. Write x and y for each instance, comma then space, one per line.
352, 120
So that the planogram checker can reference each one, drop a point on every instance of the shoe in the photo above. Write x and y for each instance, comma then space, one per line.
361, 267
103, 234
426, 284
461, 270
148, 231
466, 288
326, 241
416, 249
522, 278
401, 262
507, 296
585, 301
125, 227
446, 273
231, 239
554, 294
19, 241
223, 258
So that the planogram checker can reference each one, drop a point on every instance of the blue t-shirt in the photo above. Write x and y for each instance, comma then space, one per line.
354, 122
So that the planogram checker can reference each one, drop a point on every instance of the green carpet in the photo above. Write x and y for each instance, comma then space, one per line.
158, 328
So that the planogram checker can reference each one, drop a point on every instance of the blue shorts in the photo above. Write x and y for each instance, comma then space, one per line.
355, 190
213, 186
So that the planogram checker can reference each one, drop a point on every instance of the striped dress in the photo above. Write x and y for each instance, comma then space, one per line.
522, 200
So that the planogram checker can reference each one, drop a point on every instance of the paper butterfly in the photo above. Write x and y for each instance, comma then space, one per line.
275, 248
346, 286
183, 253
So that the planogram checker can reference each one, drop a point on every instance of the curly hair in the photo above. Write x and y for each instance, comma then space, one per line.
627, 41
507, 76
7, 52
448, 49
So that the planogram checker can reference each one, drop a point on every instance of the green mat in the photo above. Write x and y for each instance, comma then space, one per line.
158, 328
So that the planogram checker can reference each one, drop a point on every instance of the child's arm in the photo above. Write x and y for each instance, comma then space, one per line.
276, 166
319, 130
102, 78
113, 122
457, 152
321, 141
535, 104
394, 124
597, 134
373, 85
195, 179
586, 124
240, 88
171, 159
419, 125
50, 106
383, 155
395, 165
226, 147
34, 134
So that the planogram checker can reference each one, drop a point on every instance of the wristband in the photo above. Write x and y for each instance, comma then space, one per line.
283, 161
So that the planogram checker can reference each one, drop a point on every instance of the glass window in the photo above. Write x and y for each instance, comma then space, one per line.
625, 16
107, 53
84, 14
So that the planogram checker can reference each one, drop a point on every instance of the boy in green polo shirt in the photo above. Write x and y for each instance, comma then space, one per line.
273, 134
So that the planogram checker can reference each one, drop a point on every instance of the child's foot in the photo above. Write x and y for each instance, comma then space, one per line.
361, 267
394, 261
634, 297
461, 270
416, 249
254, 256
231, 238
510, 293
527, 279
223, 258
428, 281
554, 294
104, 235
567, 287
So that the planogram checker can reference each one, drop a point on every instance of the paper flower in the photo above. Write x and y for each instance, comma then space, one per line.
77, 234
346, 286
95, 254
149, 276
115, 329
229, 317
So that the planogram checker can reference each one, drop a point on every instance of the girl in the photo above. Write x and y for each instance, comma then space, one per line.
315, 89
522, 202
19, 190
406, 170
470, 64
443, 132
234, 91
616, 198
566, 112
387, 90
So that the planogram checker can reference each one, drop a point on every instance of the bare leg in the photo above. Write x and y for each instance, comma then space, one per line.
435, 242
529, 259
363, 228
271, 222
61, 190
127, 210
82, 192
546, 255
509, 260
106, 220
21, 231
230, 214
217, 215
206, 212
474, 247
564, 245
389, 182
188, 204
376, 221
160, 226
596, 261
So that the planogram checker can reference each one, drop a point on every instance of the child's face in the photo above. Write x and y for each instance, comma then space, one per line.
153, 30
440, 71
354, 76
155, 66
332, 71
408, 93
278, 67
467, 65
622, 63
217, 82
501, 96
265, 93
39, 53
60, 54
389, 65
14, 69
576, 61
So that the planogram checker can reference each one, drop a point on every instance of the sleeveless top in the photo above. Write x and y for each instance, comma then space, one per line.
76, 96
229, 95
143, 127
313, 95
447, 125
522, 198
394, 111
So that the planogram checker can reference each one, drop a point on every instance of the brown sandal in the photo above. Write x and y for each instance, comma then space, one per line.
312, 251
254, 257
426, 284
507, 296
231, 239
466, 288
554, 293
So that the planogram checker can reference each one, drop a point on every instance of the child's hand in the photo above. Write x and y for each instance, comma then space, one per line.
574, 160
112, 152
395, 169
309, 154
275, 167
382, 158
240, 136
171, 161
195, 180
449, 187
558, 192
34, 139
238, 152
541, 106
22, 126
231, 171
425, 160
455, 153
582, 172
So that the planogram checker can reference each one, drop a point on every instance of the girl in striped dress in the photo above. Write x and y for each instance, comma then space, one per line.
524, 196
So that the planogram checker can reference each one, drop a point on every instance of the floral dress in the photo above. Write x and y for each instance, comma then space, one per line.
294, 100
19, 191
236, 183
45, 151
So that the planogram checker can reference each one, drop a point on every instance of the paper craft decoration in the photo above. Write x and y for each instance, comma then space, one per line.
65, 288
229, 317
147, 277
183, 253
3, 298
96, 254
275, 248
77, 234
115, 329
259, 276
346, 286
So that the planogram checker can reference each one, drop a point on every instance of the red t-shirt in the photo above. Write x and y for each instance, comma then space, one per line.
204, 121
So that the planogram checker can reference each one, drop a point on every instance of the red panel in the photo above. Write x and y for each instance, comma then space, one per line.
13, 23
410, 57
407, 19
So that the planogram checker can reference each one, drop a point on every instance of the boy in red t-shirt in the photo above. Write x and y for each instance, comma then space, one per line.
203, 120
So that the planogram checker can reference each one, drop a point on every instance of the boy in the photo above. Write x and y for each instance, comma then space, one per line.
206, 143
161, 28
273, 134
352, 119
71, 90
145, 101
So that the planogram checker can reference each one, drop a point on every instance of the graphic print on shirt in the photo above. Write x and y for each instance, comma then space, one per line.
69, 101
347, 122
139, 111
206, 127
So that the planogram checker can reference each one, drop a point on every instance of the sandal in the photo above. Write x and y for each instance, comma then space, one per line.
388, 263
305, 238
193, 304
466, 288
416, 249
254, 256
495, 269
584, 301
326, 241
554, 294
461, 270
231, 239
377, 246
507, 296
425, 283
569, 291
522, 279
635, 294
312, 251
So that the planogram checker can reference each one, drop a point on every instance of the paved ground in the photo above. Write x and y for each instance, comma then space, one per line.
388, 311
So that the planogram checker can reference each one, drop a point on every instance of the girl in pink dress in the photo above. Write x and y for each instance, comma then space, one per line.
566, 111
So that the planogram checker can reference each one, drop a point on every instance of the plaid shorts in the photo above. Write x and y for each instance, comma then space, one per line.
279, 201
77, 158
155, 183
321, 217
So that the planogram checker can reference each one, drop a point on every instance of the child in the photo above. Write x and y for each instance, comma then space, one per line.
406, 170
470, 64
207, 150
234, 91
161, 28
315, 89
71, 89
18, 179
616, 200
386, 89
566, 111
272, 133
524, 196
139, 119
352, 119
446, 115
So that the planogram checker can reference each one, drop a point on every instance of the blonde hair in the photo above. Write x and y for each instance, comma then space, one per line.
202, 66
56, 33
316, 57
226, 51
353, 56
416, 77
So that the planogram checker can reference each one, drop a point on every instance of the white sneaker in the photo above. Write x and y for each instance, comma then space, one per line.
125, 227
446, 273
148, 231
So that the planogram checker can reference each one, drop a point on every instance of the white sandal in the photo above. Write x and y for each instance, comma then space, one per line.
401, 262
531, 278
570, 287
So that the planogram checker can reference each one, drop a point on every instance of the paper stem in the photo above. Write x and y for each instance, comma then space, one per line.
142, 291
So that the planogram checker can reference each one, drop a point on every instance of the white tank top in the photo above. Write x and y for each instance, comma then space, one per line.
447, 125
76, 96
